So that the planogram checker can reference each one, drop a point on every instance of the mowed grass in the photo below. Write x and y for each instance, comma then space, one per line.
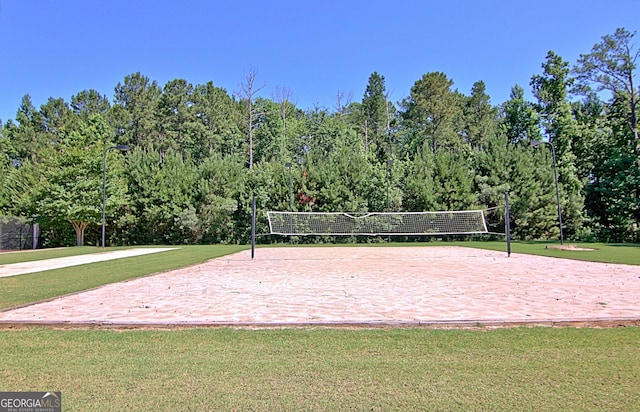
628, 254
541, 369
24, 289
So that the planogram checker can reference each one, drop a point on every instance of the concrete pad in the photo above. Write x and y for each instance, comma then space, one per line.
15, 269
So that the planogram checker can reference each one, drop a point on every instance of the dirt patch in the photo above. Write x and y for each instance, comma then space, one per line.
569, 247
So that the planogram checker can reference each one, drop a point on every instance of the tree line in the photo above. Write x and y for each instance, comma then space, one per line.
198, 154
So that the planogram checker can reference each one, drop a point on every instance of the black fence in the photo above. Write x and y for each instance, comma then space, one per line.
16, 234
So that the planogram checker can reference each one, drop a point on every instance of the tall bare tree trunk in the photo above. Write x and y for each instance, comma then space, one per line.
247, 92
283, 96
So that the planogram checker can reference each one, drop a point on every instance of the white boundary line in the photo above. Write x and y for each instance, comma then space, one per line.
16, 269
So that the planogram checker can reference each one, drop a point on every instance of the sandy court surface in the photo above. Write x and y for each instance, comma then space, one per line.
357, 285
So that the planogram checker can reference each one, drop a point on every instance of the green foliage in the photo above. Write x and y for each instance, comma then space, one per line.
612, 193
27, 135
270, 142
479, 119
162, 190
20, 186
519, 119
5, 169
534, 201
220, 121
611, 66
175, 119
430, 114
562, 129
60, 183
614, 196
186, 178
453, 182
133, 110
223, 183
375, 121
88, 103
419, 184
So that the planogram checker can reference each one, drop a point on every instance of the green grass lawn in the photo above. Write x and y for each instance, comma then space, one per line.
541, 369
628, 254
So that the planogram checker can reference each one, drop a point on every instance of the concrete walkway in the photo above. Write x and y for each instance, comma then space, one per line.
15, 269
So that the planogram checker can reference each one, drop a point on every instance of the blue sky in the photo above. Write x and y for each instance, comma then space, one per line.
315, 49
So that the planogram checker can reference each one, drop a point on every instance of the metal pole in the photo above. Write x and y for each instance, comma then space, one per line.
104, 190
507, 222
